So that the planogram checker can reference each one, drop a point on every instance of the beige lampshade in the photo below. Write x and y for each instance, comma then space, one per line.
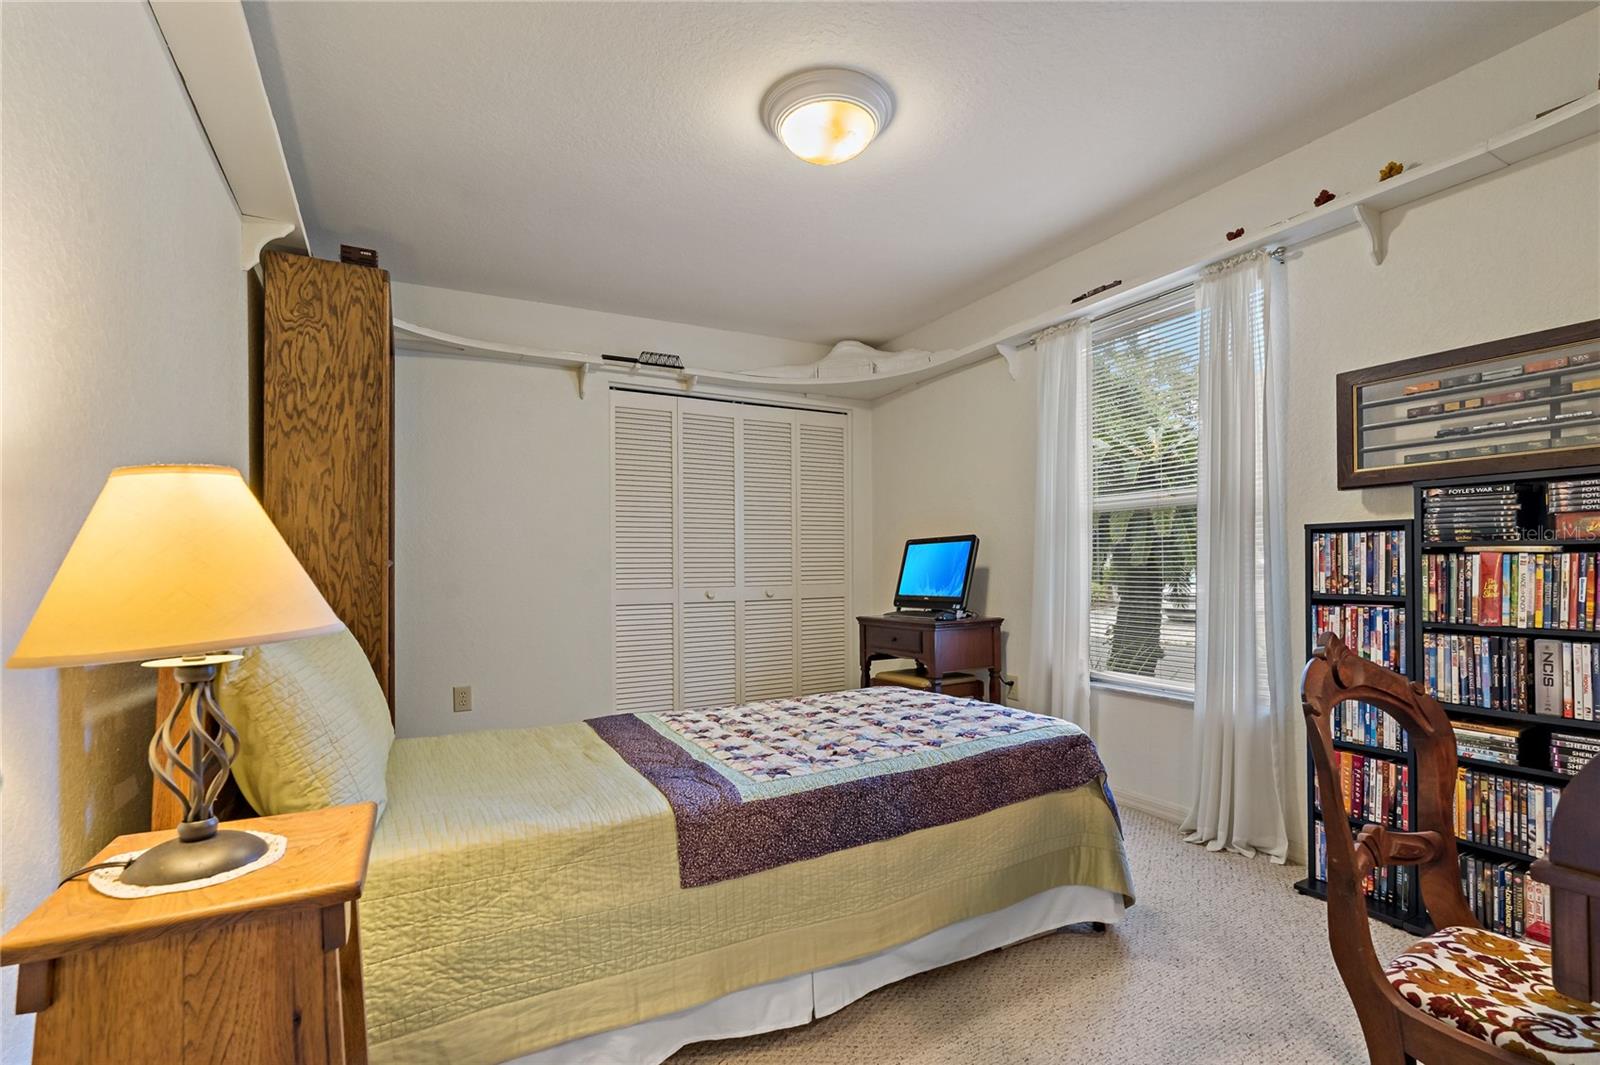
172, 560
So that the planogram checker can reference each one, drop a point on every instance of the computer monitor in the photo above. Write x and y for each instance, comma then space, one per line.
936, 573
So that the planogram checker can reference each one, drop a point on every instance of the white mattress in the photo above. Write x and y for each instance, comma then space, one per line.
796, 1000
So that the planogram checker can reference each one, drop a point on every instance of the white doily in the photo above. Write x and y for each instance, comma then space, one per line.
109, 881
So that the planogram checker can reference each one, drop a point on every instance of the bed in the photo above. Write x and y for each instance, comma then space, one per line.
527, 889
610, 890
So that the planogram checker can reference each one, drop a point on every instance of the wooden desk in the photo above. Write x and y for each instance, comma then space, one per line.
937, 647
263, 969
1573, 873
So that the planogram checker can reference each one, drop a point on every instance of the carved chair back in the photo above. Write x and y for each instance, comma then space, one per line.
1395, 1030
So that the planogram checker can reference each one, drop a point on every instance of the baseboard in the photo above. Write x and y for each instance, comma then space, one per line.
1145, 804
1170, 811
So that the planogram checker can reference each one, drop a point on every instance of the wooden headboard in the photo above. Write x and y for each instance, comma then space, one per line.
325, 464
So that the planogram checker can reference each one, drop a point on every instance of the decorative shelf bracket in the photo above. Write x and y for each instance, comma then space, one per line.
1009, 353
255, 234
689, 381
1371, 220
584, 370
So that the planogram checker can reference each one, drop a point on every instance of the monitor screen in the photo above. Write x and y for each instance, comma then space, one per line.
936, 570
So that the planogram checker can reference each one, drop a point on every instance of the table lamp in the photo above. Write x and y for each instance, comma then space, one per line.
173, 566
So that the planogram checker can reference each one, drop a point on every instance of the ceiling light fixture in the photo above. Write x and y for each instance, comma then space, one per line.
827, 116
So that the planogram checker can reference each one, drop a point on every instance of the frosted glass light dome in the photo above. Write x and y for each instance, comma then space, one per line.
827, 116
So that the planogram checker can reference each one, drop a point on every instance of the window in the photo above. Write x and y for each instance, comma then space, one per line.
1144, 444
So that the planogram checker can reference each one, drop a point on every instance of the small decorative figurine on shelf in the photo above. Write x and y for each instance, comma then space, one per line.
1322, 197
1393, 168
1235, 234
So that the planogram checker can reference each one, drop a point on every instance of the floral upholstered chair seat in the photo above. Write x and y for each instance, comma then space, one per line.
1499, 990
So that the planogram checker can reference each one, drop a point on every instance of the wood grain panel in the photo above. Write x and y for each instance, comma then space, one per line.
327, 436
77, 1026
326, 864
261, 970
258, 1022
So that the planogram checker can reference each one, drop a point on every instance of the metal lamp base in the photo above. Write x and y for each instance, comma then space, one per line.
179, 861
202, 757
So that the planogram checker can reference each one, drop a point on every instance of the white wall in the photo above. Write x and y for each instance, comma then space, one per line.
502, 508
502, 553
124, 340
1442, 120
1510, 253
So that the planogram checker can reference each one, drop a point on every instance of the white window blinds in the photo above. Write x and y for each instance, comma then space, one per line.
1144, 439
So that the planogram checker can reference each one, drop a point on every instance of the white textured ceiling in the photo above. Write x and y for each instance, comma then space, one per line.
611, 156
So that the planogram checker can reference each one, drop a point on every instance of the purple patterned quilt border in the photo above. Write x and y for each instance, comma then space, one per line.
721, 837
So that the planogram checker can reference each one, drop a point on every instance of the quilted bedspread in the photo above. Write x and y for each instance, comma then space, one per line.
524, 888
756, 786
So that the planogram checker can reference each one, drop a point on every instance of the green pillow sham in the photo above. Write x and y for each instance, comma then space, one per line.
314, 728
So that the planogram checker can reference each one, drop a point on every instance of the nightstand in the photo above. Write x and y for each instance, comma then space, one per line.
938, 647
263, 969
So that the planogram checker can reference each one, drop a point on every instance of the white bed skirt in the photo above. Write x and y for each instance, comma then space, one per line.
796, 1000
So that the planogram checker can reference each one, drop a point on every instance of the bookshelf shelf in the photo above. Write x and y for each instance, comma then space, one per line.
1356, 823
1372, 600
1488, 850
1392, 914
1521, 772
1562, 724
1508, 545
1371, 752
1510, 630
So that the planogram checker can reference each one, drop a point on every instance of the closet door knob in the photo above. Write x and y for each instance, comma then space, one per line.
710, 594
769, 595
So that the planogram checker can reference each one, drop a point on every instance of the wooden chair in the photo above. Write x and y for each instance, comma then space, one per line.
1463, 994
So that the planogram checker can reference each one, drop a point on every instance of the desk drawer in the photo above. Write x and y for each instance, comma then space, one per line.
895, 638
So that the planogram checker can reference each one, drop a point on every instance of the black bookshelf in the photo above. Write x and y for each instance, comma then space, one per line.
1405, 912
1533, 760
1539, 523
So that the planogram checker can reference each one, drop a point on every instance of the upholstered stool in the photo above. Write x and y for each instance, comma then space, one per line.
960, 685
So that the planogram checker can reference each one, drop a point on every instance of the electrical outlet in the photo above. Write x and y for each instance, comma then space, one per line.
461, 698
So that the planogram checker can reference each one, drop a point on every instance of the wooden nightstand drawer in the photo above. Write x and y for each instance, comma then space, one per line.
894, 638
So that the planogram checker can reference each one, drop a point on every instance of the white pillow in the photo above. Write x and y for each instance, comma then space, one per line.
314, 728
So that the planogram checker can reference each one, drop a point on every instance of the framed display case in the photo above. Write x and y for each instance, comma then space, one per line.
1530, 402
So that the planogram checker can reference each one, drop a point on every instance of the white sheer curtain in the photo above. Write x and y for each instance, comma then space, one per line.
1244, 679
1057, 678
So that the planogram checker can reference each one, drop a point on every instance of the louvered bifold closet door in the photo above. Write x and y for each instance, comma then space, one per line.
708, 525
644, 551
823, 526
767, 622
